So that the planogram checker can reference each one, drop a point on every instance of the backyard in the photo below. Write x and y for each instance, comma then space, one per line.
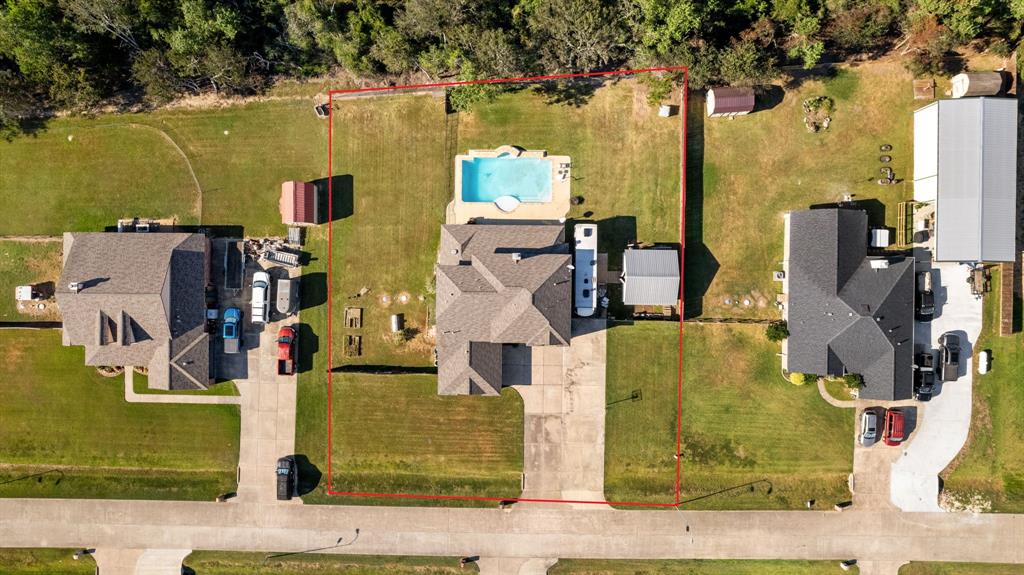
744, 173
745, 429
28, 263
991, 465
66, 431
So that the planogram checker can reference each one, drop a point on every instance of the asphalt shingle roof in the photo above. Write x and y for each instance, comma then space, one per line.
486, 297
845, 314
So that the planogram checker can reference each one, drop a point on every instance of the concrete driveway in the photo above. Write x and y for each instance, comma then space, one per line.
944, 422
563, 390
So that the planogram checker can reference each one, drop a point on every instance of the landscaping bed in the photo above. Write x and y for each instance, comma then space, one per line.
71, 430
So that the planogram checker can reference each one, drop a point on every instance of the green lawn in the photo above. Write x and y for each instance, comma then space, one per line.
625, 159
24, 263
744, 173
124, 165
390, 190
64, 420
693, 567
230, 563
926, 568
741, 422
991, 465
44, 562
394, 434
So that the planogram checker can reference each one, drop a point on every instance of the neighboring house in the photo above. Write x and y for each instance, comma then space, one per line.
848, 312
965, 162
726, 102
498, 285
650, 277
298, 203
138, 299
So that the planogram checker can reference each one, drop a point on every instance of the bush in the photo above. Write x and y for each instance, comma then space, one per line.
777, 331
853, 381
797, 378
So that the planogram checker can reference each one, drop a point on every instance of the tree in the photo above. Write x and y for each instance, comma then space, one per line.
576, 35
777, 331
113, 17
154, 74
16, 103
853, 381
744, 63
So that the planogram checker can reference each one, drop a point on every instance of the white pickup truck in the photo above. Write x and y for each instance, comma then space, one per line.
260, 297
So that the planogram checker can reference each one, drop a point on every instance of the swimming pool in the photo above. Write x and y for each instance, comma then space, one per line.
487, 179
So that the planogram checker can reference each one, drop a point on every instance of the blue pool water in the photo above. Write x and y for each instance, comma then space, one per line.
487, 179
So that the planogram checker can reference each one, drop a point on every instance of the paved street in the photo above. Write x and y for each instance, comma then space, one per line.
539, 532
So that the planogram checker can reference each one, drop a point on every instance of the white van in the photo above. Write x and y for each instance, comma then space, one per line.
260, 297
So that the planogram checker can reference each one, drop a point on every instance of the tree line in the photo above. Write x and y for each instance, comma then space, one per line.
72, 54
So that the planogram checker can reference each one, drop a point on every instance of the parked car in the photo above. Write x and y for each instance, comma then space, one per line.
925, 300
868, 427
924, 385
286, 344
949, 348
287, 478
892, 431
260, 297
231, 332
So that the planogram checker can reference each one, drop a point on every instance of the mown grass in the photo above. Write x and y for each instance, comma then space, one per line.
625, 158
692, 567
395, 434
232, 563
25, 263
991, 464
44, 562
63, 420
935, 568
744, 173
750, 439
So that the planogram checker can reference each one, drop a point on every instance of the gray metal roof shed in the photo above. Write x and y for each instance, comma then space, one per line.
965, 160
650, 277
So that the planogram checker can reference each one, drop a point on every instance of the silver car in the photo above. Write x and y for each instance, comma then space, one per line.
868, 427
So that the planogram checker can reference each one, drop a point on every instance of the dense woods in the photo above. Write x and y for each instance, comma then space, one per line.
71, 54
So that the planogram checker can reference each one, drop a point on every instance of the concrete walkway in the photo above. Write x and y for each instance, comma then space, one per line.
944, 422
131, 397
563, 390
139, 561
841, 403
524, 533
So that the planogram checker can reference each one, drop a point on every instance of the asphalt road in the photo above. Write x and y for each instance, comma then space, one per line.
521, 533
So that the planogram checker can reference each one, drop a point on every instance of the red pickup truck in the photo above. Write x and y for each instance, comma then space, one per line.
286, 343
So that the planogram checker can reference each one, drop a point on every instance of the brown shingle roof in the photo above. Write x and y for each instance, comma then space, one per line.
487, 297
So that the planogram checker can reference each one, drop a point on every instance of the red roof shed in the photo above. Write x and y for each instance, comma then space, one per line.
298, 203
730, 101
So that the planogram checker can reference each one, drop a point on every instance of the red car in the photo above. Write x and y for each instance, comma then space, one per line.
892, 432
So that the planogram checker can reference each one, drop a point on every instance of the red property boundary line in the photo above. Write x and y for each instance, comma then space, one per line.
330, 275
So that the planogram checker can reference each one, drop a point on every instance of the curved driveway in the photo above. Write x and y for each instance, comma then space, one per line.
523, 532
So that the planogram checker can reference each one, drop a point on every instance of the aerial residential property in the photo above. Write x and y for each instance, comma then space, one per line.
565, 287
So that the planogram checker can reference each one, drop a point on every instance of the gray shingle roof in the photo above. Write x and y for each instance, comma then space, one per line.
141, 303
486, 297
844, 314
650, 277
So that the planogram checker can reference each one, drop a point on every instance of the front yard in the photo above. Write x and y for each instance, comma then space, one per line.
692, 567
70, 430
991, 464
751, 440
233, 563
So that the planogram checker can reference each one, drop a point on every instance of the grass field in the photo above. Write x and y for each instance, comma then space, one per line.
744, 173
693, 567
65, 421
24, 263
743, 426
138, 165
229, 563
394, 434
926, 568
991, 465
44, 562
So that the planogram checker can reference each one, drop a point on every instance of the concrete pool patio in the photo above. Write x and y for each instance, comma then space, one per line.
555, 207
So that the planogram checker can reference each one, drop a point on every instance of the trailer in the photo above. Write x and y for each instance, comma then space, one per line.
282, 258
285, 302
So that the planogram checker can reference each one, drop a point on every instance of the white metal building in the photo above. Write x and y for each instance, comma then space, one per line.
965, 161
650, 277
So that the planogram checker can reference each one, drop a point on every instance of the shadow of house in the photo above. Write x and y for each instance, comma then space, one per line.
699, 265
309, 475
338, 200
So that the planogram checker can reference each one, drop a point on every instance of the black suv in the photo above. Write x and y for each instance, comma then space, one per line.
287, 478
925, 308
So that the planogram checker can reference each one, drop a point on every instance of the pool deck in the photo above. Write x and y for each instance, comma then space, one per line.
460, 212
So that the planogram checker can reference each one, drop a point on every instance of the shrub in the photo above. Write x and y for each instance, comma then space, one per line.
777, 331
853, 381
797, 378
